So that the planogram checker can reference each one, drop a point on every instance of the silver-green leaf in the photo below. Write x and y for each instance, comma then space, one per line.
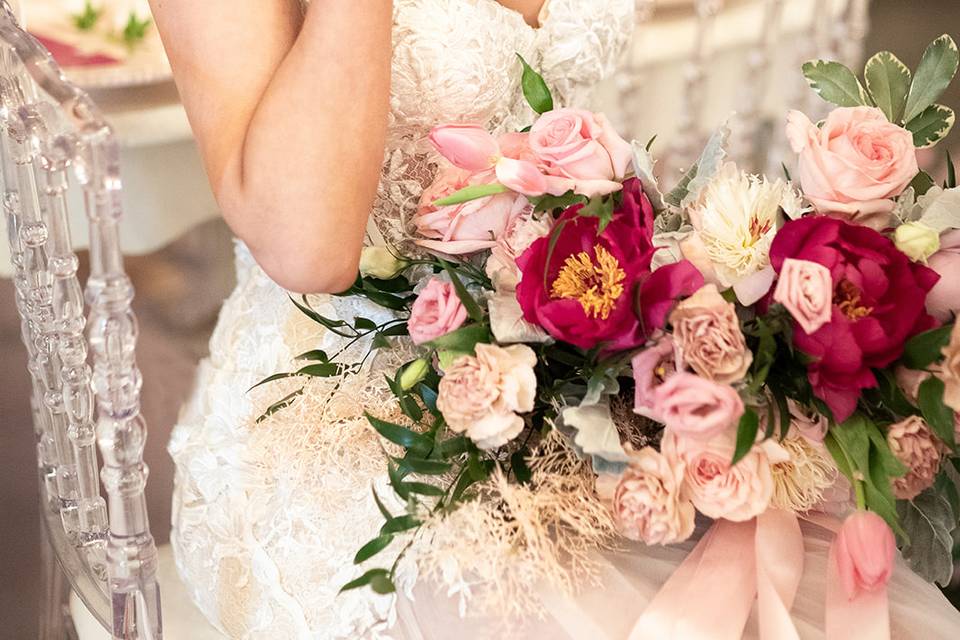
928, 521
888, 81
931, 126
835, 83
933, 75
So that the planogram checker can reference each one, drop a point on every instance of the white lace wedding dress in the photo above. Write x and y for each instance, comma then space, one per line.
268, 515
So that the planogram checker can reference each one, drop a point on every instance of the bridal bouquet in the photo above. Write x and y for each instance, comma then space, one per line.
749, 348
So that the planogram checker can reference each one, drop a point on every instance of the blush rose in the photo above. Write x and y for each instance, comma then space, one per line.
436, 312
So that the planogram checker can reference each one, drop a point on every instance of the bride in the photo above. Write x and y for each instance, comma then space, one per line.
313, 134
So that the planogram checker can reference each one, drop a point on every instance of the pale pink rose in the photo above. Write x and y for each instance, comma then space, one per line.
467, 146
651, 367
912, 442
647, 503
809, 423
502, 266
853, 165
468, 227
806, 290
943, 301
950, 370
717, 489
581, 151
863, 552
436, 312
707, 329
481, 395
697, 408
909, 381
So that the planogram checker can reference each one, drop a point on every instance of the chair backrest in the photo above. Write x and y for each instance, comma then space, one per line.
86, 384
833, 29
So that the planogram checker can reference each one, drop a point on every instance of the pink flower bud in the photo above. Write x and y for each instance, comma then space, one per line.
864, 550
468, 146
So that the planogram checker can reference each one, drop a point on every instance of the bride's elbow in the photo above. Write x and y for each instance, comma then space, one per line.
309, 269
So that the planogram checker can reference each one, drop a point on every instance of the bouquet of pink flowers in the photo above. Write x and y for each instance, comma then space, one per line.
748, 348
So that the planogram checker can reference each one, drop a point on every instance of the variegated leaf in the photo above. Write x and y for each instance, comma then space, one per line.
888, 81
931, 126
835, 83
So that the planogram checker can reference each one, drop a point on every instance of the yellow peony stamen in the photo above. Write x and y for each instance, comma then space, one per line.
847, 297
596, 285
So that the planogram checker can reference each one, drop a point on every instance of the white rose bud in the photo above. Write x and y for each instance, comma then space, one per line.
917, 240
379, 262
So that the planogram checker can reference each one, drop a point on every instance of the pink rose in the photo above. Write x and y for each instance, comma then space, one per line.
863, 553
581, 151
651, 367
697, 408
853, 165
467, 227
437, 311
481, 395
717, 489
809, 423
943, 301
647, 503
912, 442
806, 290
909, 381
708, 331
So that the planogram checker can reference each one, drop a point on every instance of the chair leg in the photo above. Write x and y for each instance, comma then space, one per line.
53, 613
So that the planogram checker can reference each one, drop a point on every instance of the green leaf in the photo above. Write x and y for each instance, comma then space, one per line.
931, 126
922, 183
469, 302
364, 324
396, 476
88, 19
372, 548
424, 489
548, 202
424, 467
951, 173
892, 395
937, 414
835, 83
316, 355
365, 579
382, 507
888, 81
600, 208
322, 370
464, 339
925, 348
402, 436
454, 446
518, 462
928, 521
399, 524
472, 192
933, 75
535, 90
746, 434
382, 584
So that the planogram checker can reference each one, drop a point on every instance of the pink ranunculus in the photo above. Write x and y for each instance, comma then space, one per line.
878, 303
583, 287
695, 407
648, 504
467, 227
863, 552
943, 301
467, 146
581, 150
717, 488
436, 312
805, 289
854, 164
651, 367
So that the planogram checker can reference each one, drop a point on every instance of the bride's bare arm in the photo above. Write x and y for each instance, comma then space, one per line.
290, 114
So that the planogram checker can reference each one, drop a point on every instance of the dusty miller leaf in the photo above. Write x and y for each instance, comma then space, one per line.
643, 164
595, 434
928, 521
706, 167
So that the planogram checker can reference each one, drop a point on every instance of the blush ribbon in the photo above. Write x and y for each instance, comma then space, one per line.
711, 593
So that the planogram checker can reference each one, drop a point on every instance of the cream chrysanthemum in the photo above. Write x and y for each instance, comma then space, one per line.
735, 219
800, 482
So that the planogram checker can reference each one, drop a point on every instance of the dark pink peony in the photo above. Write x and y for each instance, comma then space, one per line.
878, 303
600, 289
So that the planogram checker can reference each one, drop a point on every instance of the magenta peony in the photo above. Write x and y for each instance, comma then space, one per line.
599, 289
878, 303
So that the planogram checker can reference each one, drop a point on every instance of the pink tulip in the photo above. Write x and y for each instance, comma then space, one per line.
944, 299
521, 176
468, 146
864, 550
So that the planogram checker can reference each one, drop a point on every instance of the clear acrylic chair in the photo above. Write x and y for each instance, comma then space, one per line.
80, 344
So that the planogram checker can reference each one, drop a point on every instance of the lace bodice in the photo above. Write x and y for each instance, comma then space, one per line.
456, 61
